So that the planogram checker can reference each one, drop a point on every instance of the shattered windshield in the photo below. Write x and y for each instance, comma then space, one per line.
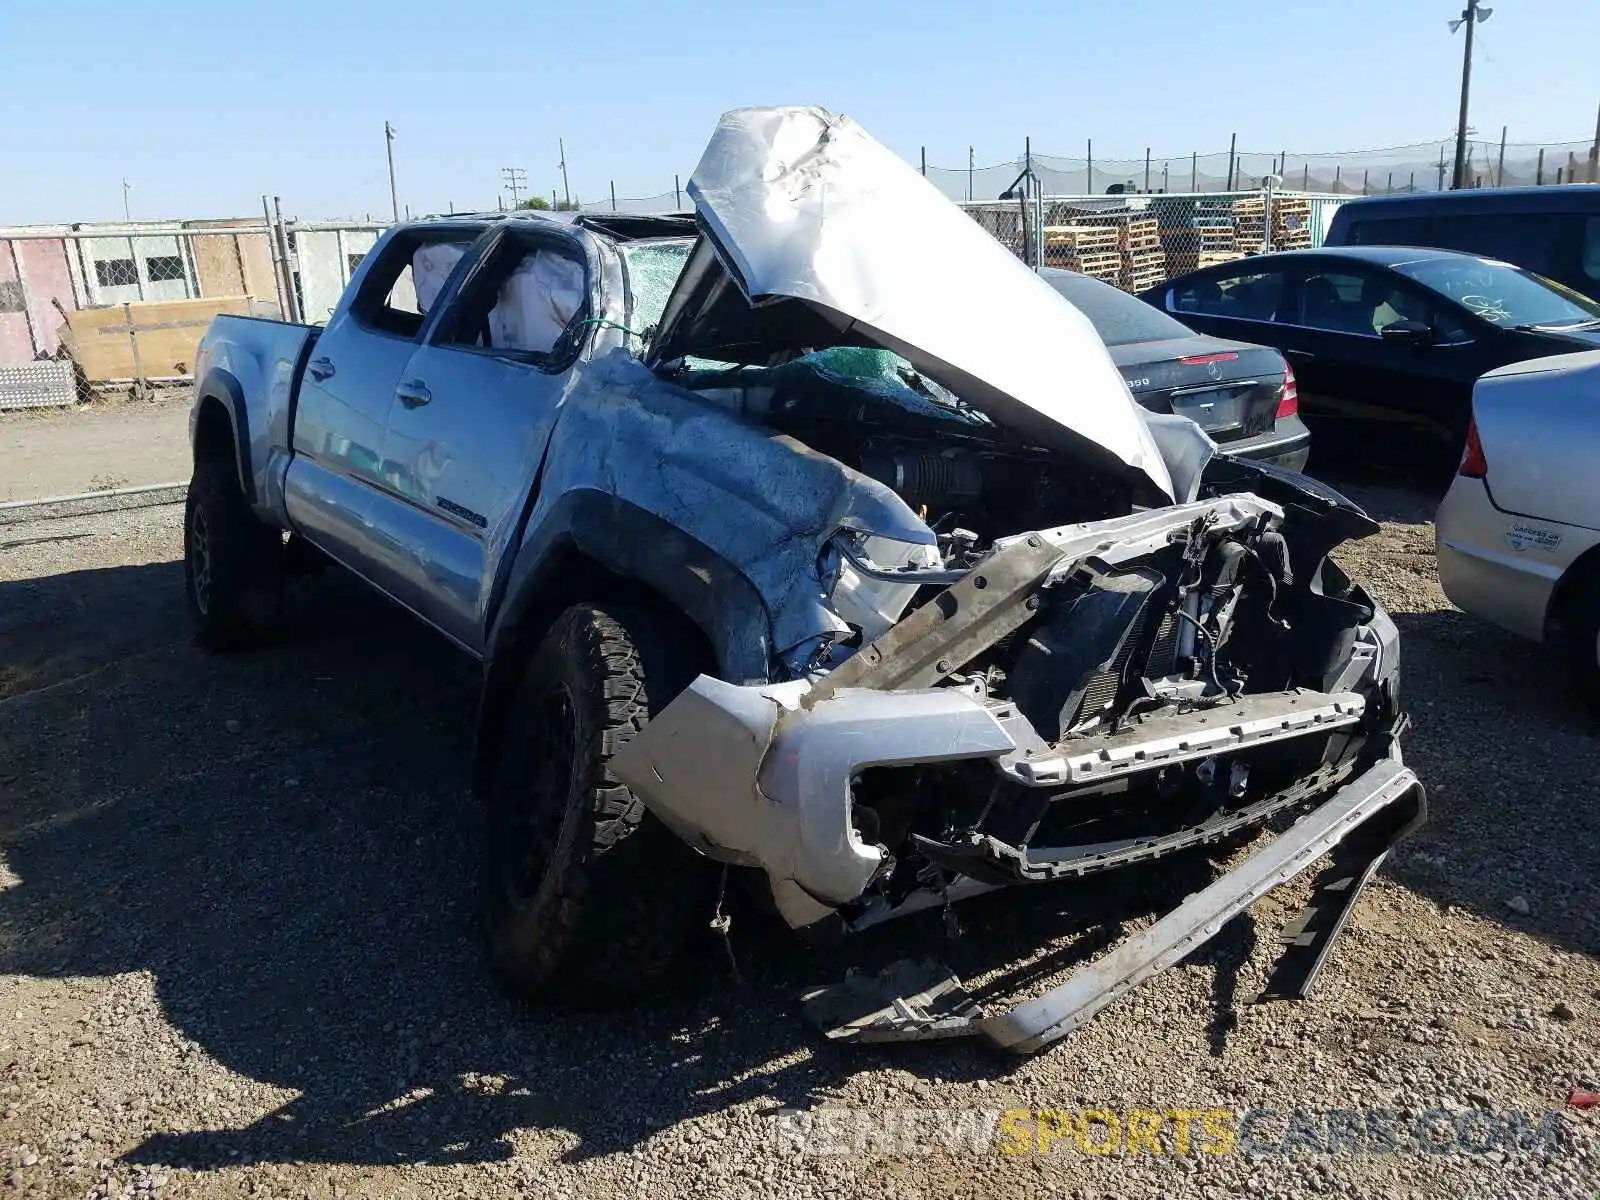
653, 269
883, 374
849, 372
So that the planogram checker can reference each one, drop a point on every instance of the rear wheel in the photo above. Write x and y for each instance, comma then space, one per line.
232, 563
586, 898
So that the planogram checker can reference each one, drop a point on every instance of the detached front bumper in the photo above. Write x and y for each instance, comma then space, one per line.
761, 776
1358, 825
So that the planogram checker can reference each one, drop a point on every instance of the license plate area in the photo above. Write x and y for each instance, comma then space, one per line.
1214, 409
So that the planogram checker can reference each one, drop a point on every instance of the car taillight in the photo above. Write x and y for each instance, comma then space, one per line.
1200, 360
1289, 397
1473, 464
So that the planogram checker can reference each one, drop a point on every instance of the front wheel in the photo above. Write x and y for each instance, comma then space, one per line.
232, 563
586, 898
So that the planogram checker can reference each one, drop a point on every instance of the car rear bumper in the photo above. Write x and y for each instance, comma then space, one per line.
1287, 445
1499, 566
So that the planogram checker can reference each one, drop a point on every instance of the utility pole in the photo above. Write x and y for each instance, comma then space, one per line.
1594, 153
1500, 168
565, 190
1470, 16
125, 188
970, 161
516, 179
394, 196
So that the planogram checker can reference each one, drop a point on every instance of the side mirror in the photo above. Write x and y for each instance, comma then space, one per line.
1408, 333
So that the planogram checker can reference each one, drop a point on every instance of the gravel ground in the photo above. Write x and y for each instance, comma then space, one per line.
237, 955
113, 444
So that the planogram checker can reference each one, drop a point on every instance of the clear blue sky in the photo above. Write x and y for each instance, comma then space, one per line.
205, 106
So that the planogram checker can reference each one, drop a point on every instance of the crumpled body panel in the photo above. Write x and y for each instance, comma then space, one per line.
763, 502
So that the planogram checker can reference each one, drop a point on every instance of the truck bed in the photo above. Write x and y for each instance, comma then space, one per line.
253, 365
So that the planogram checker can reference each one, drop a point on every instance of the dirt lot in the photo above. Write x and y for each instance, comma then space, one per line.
59, 452
237, 952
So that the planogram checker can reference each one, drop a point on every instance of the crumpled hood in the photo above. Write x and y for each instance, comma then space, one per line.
826, 233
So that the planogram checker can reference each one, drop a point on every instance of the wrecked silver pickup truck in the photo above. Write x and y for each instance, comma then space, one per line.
816, 531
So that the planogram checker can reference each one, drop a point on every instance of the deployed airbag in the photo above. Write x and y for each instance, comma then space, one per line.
537, 302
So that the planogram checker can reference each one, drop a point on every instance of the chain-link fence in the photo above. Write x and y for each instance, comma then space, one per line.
1420, 167
1417, 167
1138, 241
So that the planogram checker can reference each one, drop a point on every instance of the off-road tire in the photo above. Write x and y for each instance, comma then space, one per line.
1581, 626
586, 898
232, 563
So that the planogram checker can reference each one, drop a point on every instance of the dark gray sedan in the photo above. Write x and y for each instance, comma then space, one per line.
1243, 395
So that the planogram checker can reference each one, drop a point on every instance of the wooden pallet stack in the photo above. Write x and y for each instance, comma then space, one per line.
1131, 237
1291, 223
1088, 248
1198, 231
1250, 222
1144, 262
1190, 249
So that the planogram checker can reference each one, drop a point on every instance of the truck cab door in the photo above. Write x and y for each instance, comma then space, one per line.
473, 412
336, 475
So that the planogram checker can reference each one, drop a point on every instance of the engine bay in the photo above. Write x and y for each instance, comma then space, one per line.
1214, 615
949, 462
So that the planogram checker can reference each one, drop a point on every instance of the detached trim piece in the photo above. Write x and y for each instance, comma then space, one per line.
1369, 815
1161, 739
82, 504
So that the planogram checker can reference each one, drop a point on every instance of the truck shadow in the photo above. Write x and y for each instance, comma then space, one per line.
285, 843
1508, 755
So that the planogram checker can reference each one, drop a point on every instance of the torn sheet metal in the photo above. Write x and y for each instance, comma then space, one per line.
807, 212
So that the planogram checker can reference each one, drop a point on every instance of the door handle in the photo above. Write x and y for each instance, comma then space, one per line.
413, 394
320, 368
